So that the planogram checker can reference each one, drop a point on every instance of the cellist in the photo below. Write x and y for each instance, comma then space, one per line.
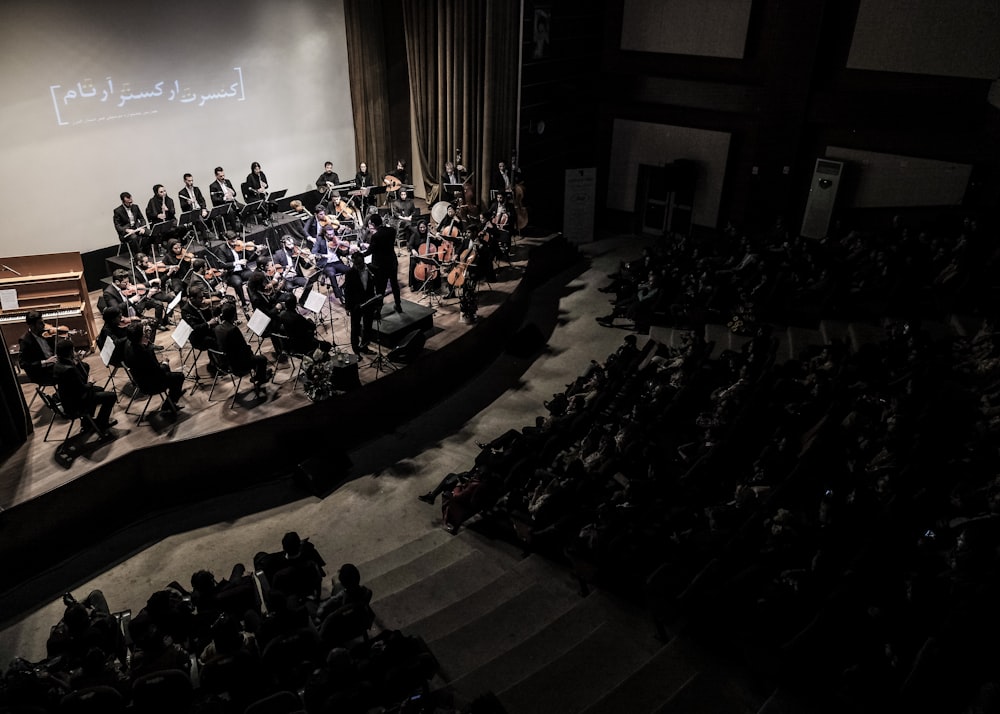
424, 258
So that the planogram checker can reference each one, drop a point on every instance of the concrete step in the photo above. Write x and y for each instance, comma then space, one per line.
387, 562
513, 639
653, 684
712, 692
438, 591
588, 671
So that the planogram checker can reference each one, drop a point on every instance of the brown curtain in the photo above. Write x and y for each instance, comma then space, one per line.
463, 60
369, 87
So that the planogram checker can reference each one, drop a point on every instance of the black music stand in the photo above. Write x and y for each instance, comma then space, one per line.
158, 230
218, 213
379, 361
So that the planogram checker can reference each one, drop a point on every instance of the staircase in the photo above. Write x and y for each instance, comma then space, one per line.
518, 627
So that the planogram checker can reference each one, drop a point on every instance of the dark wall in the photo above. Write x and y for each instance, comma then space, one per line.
783, 102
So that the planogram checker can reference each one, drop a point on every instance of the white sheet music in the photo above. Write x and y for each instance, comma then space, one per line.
107, 351
8, 299
258, 322
173, 303
315, 301
181, 333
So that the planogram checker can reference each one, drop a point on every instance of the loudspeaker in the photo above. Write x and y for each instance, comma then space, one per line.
822, 197
526, 341
408, 348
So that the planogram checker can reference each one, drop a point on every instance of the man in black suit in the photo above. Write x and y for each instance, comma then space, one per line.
222, 192
121, 293
129, 224
150, 376
76, 393
238, 264
359, 289
192, 200
37, 354
241, 358
125, 296
385, 265
300, 331
451, 176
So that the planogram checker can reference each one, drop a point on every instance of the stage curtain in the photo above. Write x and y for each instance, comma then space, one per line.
367, 68
462, 57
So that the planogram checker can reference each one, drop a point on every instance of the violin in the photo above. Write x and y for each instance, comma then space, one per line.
240, 246
59, 331
187, 256
213, 273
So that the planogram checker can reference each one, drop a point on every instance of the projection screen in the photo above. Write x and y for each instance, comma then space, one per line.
101, 98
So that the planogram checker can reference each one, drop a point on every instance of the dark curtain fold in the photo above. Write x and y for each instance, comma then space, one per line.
367, 69
463, 60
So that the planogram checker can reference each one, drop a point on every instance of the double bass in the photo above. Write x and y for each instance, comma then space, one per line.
520, 212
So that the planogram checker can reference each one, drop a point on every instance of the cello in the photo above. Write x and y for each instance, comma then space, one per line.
425, 270
456, 278
520, 212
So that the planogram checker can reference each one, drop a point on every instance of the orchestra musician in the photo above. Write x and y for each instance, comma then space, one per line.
451, 176
451, 227
340, 211
498, 226
299, 330
395, 178
385, 265
328, 250
130, 224
241, 358
199, 313
132, 300
222, 192
403, 208
256, 189
239, 260
77, 393
178, 263
143, 364
291, 261
160, 206
363, 180
328, 179
200, 277
359, 287
148, 273
424, 243
114, 329
501, 181
316, 226
192, 199
36, 351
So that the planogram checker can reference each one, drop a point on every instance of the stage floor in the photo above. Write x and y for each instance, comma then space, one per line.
33, 470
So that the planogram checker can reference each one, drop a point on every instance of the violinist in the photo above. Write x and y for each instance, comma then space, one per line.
241, 358
264, 296
199, 313
291, 261
132, 300
114, 329
192, 199
300, 331
148, 274
77, 393
316, 226
239, 260
37, 350
328, 250
206, 279
341, 212
146, 368
129, 223
178, 263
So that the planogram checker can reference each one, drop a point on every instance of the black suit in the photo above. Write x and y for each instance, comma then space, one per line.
78, 395
300, 331
31, 354
191, 196
324, 178
235, 277
202, 334
130, 218
150, 376
218, 194
384, 262
113, 298
155, 206
241, 357
358, 291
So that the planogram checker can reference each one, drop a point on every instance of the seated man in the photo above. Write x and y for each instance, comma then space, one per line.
129, 224
132, 300
84, 626
239, 260
197, 312
299, 330
78, 395
241, 358
150, 375
36, 352
114, 329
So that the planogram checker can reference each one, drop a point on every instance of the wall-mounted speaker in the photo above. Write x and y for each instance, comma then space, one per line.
822, 198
